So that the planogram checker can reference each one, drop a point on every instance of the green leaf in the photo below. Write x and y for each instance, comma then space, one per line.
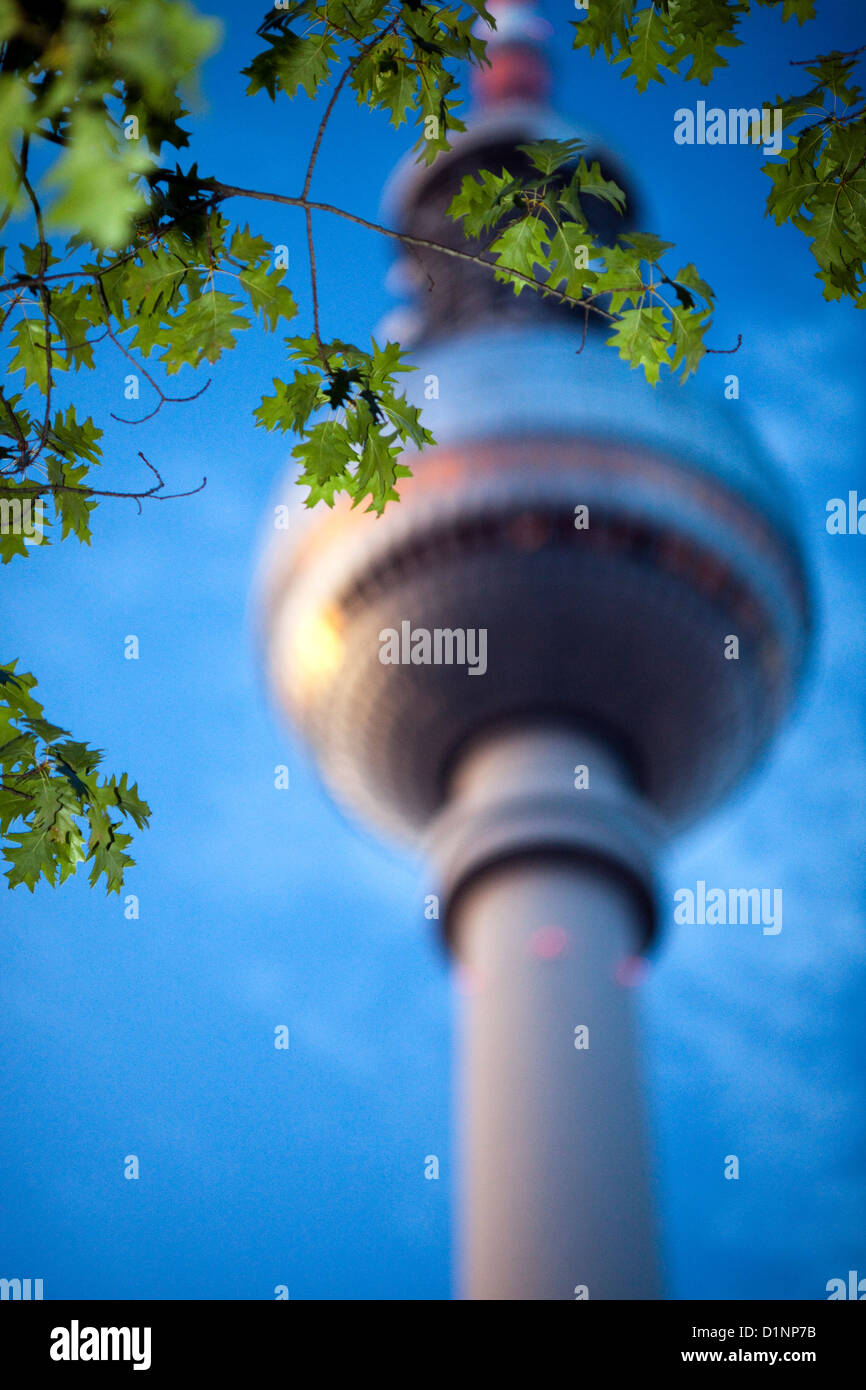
291, 405
98, 182
22, 520
268, 297
647, 246
73, 508
32, 856
73, 439
588, 179
206, 328
646, 54
801, 10
406, 419
567, 274
127, 798
641, 339
521, 247
244, 246
50, 792
483, 201
290, 63
689, 277
550, 155
325, 453
385, 78
107, 849
687, 334
28, 338
620, 280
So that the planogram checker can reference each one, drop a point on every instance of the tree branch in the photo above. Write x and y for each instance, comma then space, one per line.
154, 493
44, 294
224, 190
347, 72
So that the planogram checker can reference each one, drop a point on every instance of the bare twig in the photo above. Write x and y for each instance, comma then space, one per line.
163, 398
16, 791
727, 351
44, 294
154, 494
311, 248
843, 53
347, 72
23, 451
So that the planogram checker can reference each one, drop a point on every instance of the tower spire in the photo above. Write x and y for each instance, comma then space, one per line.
518, 69
510, 109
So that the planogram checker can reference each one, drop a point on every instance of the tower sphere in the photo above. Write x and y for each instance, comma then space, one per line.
630, 553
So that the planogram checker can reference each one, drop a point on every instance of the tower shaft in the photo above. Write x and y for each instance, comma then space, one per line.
548, 904
555, 1200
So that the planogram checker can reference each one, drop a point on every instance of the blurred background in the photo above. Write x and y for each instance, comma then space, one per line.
260, 907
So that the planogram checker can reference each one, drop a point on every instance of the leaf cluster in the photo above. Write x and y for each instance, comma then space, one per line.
180, 297
819, 184
74, 72
368, 425
538, 234
401, 57
56, 810
652, 38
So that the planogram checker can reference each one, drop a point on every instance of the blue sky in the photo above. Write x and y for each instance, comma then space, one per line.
261, 907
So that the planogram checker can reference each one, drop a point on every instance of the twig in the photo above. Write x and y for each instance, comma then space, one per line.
154, 493
727, 351
163, 398
225, 190
24, 453
840, 53
16, 791
44, 294
311, 248
347, 72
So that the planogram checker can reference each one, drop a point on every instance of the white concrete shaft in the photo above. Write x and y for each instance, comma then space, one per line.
556, 1191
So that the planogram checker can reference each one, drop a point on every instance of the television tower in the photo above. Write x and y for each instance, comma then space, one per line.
610, 540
